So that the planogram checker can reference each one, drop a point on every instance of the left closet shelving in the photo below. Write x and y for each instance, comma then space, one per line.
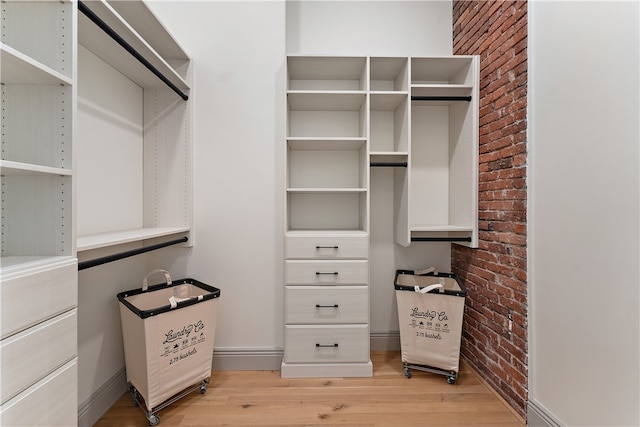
134, 131
38, 266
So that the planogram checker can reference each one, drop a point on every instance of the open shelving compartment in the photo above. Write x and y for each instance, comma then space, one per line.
444, 155
37, 131
327, 153
146, 121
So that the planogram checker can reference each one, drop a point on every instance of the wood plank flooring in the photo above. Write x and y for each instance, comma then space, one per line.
262, 398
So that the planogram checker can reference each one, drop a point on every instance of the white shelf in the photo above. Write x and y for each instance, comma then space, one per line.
440, 228
103, 240
328, 144
19, 264
388, 156
97, 41
325, 190
16, 168
18, 68
441, 90
326, 100
149, 27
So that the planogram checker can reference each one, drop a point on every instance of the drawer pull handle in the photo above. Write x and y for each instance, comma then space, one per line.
326, 247
318, 273
327, 345
327, 306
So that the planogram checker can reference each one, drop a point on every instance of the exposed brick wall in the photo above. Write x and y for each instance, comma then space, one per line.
495, 273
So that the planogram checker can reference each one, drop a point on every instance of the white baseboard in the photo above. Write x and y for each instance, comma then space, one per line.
90, 411
247, 359
385, 341
539, 416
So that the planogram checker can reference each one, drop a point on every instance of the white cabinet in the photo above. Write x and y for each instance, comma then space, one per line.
345, 115
38, 268
134, 128
327, 218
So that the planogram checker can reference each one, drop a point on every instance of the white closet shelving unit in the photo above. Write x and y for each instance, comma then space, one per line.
327, 218
344, 115
153, 154
38, 270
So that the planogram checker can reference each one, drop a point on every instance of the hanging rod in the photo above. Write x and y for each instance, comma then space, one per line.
389, 164
441, 239
115, 36
441, 98
126, 254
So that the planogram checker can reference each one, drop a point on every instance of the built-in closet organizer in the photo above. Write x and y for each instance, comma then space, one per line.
345, 115
38, 265
134, 156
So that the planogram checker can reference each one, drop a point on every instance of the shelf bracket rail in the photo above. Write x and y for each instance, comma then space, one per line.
122, 42
126, 254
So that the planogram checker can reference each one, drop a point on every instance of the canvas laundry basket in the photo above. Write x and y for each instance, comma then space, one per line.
430, 312
168, 331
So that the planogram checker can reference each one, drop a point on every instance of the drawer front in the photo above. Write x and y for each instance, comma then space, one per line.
327, 247
354, 272
50, 402
39, 294
324, 344
29, 356
326, 305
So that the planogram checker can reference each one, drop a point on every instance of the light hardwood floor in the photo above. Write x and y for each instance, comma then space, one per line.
262, 398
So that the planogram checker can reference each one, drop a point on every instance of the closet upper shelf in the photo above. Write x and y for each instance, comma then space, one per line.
136, 19
103, 240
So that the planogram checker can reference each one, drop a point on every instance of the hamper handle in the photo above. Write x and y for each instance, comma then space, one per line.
427, 288
145, 282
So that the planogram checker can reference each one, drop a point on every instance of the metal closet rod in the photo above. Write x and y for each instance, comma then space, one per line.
126, 254
441, 98
441, 239
115, 36
389, 164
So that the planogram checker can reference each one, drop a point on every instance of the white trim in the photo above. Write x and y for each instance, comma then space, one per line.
102, 399
539, 416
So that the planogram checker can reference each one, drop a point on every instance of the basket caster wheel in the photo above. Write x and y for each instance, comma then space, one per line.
451, 379
407, 373
203, 388
154, 420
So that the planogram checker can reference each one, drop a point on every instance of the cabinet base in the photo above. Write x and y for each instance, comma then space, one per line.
328, 370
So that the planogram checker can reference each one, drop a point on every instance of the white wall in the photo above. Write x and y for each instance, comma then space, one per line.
584, 218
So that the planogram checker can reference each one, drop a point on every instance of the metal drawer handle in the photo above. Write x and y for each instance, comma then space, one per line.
318, 273
326, 247
327, 306
327, 345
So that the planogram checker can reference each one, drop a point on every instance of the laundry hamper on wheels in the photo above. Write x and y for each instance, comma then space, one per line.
430, 311
168, 331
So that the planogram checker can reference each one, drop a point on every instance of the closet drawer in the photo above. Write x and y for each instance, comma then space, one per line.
339, 246
326, 304
34, 353
322, 344
36, 295
50, 402
354, 272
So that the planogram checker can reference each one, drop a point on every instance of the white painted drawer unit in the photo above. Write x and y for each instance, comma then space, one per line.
326, 305
38, 346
